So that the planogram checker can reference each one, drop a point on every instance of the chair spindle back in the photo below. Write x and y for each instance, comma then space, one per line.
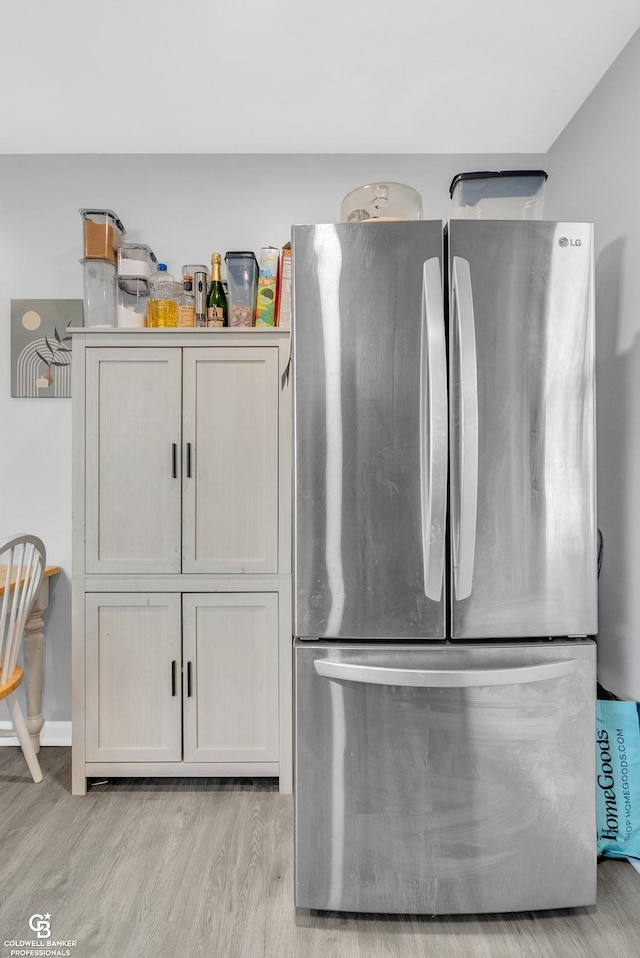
24, 558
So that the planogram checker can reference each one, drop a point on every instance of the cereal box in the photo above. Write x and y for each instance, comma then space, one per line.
267, 286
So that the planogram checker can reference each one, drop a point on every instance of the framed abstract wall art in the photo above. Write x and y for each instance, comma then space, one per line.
41, 347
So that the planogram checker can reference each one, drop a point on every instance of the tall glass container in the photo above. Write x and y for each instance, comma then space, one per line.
99, 292
242, 280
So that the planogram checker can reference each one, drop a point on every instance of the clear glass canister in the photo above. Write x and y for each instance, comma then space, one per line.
102, 234
133, 297
503, 195
136, 259
242, 281
381, 201
99, 293
190, 269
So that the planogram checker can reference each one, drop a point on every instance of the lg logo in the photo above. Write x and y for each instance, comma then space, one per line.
564, 242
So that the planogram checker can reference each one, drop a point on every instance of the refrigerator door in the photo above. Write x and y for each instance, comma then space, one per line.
523, 516
370, 412
443, 780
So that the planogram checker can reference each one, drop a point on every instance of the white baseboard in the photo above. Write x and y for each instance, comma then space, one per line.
53, 733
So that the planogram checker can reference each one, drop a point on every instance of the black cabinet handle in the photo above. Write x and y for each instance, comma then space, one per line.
174, 460
188, 460
173, 678
189, 680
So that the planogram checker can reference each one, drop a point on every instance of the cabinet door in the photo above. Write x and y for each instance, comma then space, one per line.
231, 653
230, 517
133, 687
133, 427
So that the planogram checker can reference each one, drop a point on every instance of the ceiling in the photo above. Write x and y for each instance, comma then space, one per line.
281, 76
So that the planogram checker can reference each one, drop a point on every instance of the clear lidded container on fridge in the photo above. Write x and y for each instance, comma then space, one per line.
377, 202
136, 259
102, 234
504, 195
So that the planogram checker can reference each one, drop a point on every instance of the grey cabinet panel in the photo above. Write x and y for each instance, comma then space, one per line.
230, 513
133, 649
231, 677
133, 426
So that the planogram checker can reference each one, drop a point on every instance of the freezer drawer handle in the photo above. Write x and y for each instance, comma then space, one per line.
433, 429
465, 509
444, 678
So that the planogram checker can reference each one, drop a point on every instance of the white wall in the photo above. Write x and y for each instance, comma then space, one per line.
185, 207
593, 175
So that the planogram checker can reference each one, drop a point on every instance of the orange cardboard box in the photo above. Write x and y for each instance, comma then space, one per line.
284, 288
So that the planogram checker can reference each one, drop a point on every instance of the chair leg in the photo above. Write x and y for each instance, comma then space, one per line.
24, 738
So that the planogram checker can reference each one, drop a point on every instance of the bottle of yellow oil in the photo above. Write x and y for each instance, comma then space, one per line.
162, 309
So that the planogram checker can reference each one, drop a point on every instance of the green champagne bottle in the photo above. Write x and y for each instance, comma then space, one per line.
217, 300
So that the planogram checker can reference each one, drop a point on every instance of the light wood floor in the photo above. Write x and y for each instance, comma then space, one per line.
203, 867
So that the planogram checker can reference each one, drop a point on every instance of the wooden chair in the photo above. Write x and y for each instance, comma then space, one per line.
22, 561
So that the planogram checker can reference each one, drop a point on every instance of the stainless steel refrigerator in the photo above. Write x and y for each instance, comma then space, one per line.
445, 566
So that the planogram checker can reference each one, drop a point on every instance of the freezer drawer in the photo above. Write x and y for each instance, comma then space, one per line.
445, 780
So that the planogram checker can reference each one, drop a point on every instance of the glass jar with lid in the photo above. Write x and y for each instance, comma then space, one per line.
242, 280
499, 195
102, 234
99, 293
381, 201
133, 297
136, 259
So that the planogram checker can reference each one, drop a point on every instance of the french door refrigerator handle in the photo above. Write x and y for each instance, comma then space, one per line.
444, 678
433, 429
464, 541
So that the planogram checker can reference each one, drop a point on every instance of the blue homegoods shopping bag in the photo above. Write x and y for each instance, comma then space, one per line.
618, 778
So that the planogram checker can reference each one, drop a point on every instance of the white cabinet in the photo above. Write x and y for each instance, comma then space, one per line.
181, 554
